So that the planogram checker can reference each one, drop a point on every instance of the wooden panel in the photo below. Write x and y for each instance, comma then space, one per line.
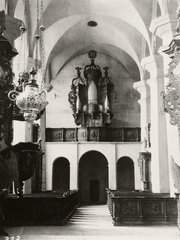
70, 135
141, 209
153, 210
56, 135
103, 134
93, 134
131, 134
39, 210
116, 134
82, 134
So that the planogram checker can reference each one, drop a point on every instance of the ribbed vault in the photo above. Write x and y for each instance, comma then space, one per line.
122, 30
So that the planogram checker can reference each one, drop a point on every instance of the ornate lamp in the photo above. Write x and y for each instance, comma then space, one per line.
31, 101
29, 96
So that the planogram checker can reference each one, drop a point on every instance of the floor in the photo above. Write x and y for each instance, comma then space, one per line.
92, 222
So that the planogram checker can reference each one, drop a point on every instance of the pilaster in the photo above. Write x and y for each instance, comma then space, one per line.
158, 138
74, 167
143, 88
113, 170
159, 165
165, 28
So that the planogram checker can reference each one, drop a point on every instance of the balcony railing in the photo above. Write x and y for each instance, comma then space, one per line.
93, 134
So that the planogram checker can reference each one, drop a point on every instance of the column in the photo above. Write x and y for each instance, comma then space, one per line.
74, 168
164, 27
112, 168
159, 164
143, 88
74, 175
43, 148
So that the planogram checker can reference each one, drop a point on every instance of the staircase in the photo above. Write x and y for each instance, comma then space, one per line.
91, 217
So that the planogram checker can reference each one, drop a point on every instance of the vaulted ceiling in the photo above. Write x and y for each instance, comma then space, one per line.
117, 28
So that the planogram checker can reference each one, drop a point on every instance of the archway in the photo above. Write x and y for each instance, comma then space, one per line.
61, 174
93, 177
125, 174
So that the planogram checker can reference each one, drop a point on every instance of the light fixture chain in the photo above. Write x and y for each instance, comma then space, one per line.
20, 50
24, 23
42, 47
37, 38
23, 29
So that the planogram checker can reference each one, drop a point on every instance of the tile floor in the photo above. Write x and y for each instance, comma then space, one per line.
92, 223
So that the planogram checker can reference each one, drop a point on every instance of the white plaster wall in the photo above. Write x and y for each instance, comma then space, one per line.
67, 150
22, 132
58, 111
74, 151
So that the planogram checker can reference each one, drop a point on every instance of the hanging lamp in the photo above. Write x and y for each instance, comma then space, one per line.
30, 96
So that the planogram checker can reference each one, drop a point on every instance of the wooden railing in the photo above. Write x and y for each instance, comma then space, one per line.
93, 134
140, 208
40, 209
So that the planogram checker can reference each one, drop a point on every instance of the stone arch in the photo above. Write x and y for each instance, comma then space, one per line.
61, 174
125, 173
93, 177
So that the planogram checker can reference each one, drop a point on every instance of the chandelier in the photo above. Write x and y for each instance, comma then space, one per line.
29, 96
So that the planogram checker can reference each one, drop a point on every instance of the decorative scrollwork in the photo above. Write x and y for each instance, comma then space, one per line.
175, 171
72, 98
43, 94
12, 95
171, 97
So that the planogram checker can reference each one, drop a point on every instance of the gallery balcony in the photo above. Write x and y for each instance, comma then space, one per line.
93, 134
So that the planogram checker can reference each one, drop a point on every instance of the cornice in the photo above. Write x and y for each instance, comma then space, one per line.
163, 24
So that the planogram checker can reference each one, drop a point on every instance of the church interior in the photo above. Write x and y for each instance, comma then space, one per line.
89, 117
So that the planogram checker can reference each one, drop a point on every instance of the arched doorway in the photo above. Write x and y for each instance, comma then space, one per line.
93, 177
61, 174
125, 173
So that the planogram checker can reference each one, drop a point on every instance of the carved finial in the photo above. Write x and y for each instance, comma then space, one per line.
92, 54
78, 71
106, 71
33, 72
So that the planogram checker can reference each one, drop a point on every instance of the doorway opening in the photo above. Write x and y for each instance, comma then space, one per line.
125, 174
93, 178
61, 175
